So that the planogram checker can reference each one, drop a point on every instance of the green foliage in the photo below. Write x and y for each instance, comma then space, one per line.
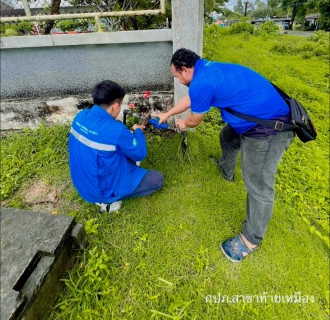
131, 121
28, 154
68, 25
211, 5
321, 36
241, 27
214, 32
159, 257
91, 287
268, 27
305, 77
239, 7
91, 227
25, 26
131, 22
211, 123
324, 21
83, 24
14, 26
315, 46
11, 32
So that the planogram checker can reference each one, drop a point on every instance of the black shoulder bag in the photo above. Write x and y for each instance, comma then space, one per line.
300, 121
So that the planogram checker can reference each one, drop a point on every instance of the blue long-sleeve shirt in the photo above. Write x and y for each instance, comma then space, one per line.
99, 151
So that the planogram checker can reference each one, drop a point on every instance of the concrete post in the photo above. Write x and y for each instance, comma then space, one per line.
187, 30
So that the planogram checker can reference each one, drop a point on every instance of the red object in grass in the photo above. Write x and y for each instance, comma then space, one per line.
131, 106
146, 94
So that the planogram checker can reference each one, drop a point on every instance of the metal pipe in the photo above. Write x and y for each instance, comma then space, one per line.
80, 15
27, 8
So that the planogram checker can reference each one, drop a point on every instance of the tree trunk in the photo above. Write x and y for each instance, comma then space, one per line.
294, 13
54, 9
134, 23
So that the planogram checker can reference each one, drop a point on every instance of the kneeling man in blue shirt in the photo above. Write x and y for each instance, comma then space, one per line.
228, 86
103, 153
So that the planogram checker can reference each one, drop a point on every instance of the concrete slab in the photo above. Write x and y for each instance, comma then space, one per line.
36, 251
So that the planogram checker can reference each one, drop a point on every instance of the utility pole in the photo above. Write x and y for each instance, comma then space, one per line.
245, 9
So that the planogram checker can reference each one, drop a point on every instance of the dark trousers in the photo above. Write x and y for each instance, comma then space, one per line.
151, 182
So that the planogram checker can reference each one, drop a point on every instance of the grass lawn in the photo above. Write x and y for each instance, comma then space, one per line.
158, 257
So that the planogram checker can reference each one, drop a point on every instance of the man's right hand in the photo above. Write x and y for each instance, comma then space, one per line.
138, 126
162, 117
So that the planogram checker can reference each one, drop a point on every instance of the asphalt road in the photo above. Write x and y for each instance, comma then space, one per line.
299, 33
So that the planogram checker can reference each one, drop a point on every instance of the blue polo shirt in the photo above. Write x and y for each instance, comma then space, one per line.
228, 85
101, 155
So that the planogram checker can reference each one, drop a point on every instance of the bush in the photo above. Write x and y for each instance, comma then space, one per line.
319, 36
25, 26
297, 27
68, 25
324, 21
268, 27
11, 32
212, 31
307, 49
82, 24
241, 27
14, 26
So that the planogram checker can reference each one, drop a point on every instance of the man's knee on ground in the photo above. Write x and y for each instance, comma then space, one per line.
159, 180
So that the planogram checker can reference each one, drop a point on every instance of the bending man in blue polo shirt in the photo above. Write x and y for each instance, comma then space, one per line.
231, 86
103, 152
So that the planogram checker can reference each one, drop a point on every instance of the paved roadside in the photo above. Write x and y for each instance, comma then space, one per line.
298, 33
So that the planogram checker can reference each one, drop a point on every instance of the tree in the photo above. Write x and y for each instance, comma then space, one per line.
239, 7
323, 7
275, 8
213, 5
261, 10
131, 22
295, 6
54, 8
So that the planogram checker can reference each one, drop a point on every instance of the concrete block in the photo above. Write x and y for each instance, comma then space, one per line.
36, 251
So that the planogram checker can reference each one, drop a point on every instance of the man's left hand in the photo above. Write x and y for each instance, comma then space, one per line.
181, 124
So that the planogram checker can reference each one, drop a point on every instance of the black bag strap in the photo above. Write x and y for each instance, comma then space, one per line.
280, 92
277, 125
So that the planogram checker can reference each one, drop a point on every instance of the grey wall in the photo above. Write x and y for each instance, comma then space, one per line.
52, 70
60, 66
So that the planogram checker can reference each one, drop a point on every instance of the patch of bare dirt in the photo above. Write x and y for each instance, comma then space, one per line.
42, 196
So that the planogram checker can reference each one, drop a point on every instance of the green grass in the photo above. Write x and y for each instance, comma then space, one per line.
159, 257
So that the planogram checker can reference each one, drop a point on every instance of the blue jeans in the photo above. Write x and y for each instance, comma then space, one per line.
260, 159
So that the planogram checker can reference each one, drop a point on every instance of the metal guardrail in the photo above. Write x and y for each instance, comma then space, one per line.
6, 5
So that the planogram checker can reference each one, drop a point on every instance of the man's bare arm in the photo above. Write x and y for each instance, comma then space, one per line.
181, 106
192, 121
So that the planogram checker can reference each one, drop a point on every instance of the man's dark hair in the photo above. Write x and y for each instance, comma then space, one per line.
107, 92
184, 58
